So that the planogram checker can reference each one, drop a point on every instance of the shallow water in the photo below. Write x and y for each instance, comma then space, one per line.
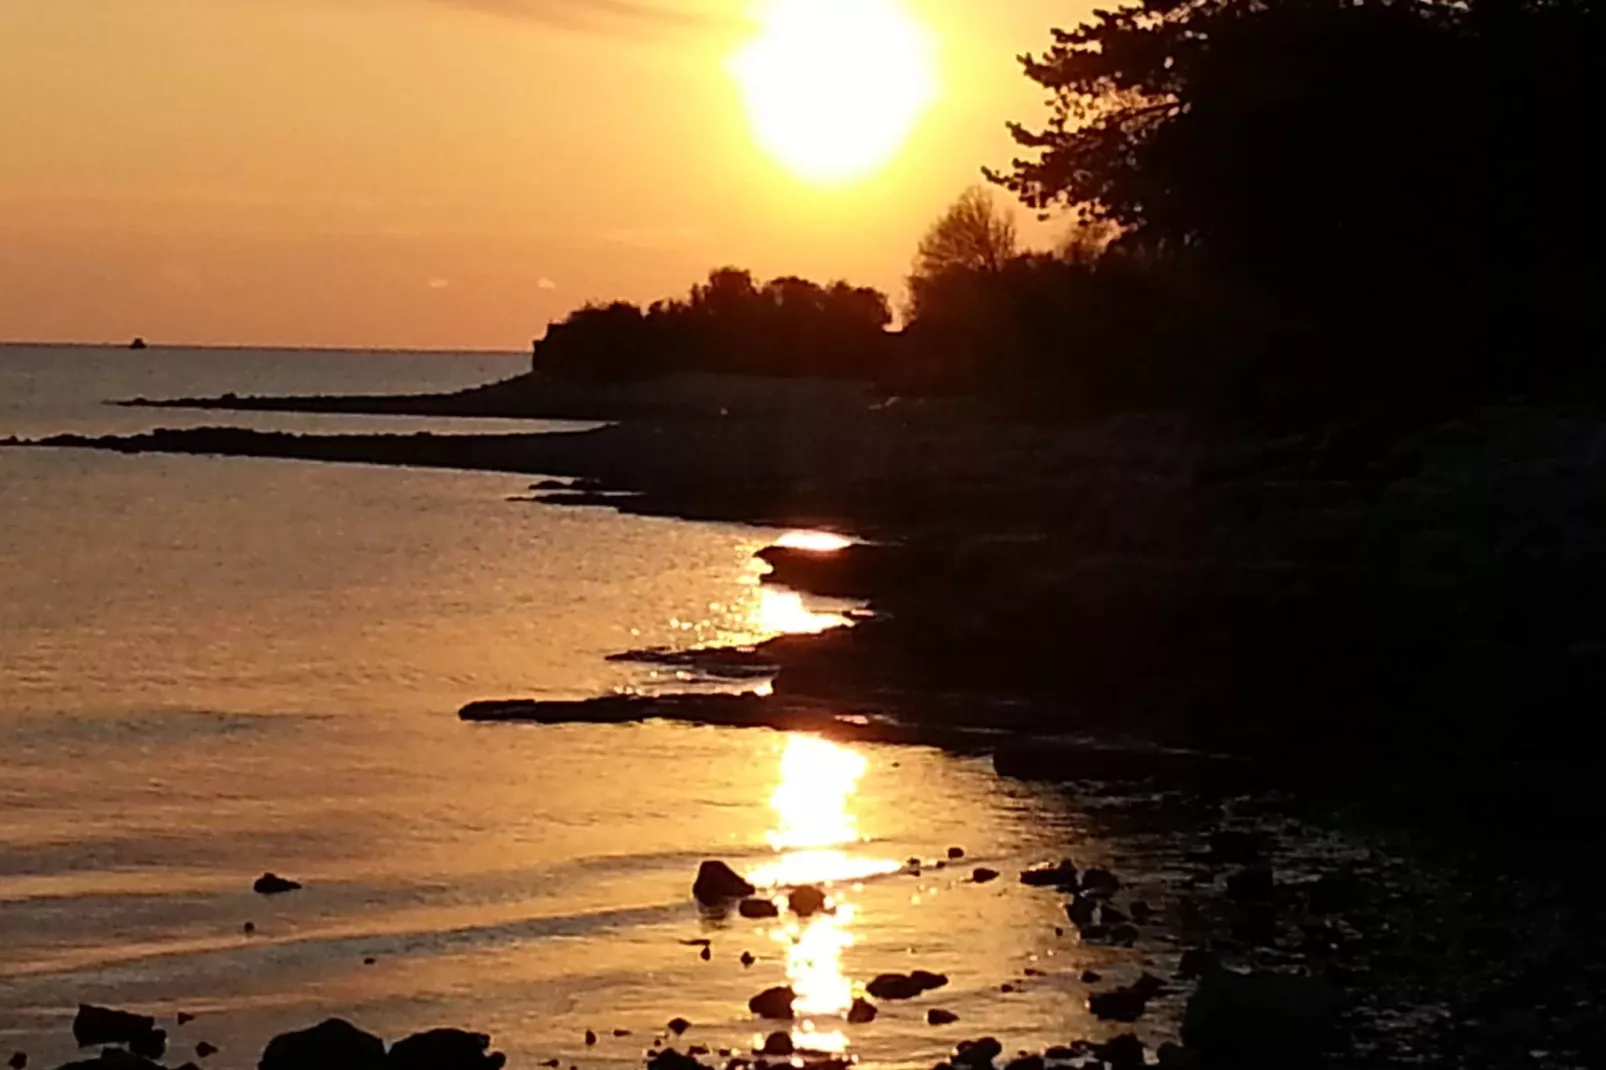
214, 667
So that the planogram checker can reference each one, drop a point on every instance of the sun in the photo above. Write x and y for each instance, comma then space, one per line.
835, 87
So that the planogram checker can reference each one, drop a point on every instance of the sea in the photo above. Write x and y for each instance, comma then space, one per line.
211, 668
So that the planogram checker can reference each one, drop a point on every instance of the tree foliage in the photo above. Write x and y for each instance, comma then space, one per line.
973, 235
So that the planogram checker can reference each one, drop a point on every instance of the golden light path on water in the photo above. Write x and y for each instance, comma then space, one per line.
814, 837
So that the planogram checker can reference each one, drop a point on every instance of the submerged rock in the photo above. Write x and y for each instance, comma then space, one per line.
758, 908
774, 1003
806, 901
334, 1044
105, 1025
1259, 1019
273, 884
445, 1049
717, 883
904, 986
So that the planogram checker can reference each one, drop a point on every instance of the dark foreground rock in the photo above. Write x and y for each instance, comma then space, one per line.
113, 1059
774, 1003
334, 1044
718, 884
105, 1025
904, 985
445, 1049
273, 884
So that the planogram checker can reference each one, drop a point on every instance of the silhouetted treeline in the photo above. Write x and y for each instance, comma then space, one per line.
730, 324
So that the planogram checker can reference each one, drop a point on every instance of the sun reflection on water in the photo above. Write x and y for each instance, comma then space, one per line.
823, 542
781, 612
814, 837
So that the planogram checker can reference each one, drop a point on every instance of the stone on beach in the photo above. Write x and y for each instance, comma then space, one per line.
1061, 874
956, 853
977, 1054
757, 908
204, 1050
778, 1044
678, 1026
445, 1049
334, 1044
981, 874
904, 986
938, 1016
273, 884
717, 883
18, 1060
806, 901
105, 1025
861, 1012
774, 1003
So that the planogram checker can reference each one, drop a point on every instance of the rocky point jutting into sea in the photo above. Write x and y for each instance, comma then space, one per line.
1233, 638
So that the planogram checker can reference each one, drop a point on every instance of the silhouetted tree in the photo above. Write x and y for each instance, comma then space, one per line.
973, 235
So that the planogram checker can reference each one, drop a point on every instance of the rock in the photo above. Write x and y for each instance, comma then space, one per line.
717, 883
697, 1049
1080, 910
273, 884
1060, 1053
104, 1025
445, 1049
183, 1019
977, 1054
1109, 915
18, 1060
1126, 1004
1006, 988
955, 853
150, 1045
113, 1059
861, 1012
1091, 977
806, 901
774, 1003
1025, 1062
1196, 962
758, 908
747, 958
621, 1032
334, 1044
981, 874
1141, 912
591, 1039
1122, 935
938, 1016
678, 1026
1257, 884
1125, 1052
249, 927
1061, 874
203, 1050
904, 986
778, 1044
1100, 883
706, 954
1259, 1019
670, 1059
369, 960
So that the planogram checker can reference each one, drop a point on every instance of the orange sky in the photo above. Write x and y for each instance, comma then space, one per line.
435, 173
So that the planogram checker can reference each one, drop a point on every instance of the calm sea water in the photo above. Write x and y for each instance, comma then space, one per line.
214, 667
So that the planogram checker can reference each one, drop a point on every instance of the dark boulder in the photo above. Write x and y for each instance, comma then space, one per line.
774, 1003
1025, 1062
670, 1059
806, 901
1100, 883
334, 1044
1259, 1019
678, 1026
273, 884
977, 1054
757, 908
904, 986
938, 1016
1058, 875
149, 1045
1081, 910
861, 1012
1091, 977
778, 1044
104, 1025
203, 1050
717, 883
981, 874
18, 1060
445, 1049
955, 853
1126, 1004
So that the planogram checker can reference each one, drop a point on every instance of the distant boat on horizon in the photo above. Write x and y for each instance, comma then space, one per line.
137, 343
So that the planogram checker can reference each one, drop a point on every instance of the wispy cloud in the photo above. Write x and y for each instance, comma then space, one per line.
625, 16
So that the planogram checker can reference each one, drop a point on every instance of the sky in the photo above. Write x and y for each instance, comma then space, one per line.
447, 174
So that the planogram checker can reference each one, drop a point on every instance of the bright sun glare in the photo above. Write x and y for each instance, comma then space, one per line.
835, 87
